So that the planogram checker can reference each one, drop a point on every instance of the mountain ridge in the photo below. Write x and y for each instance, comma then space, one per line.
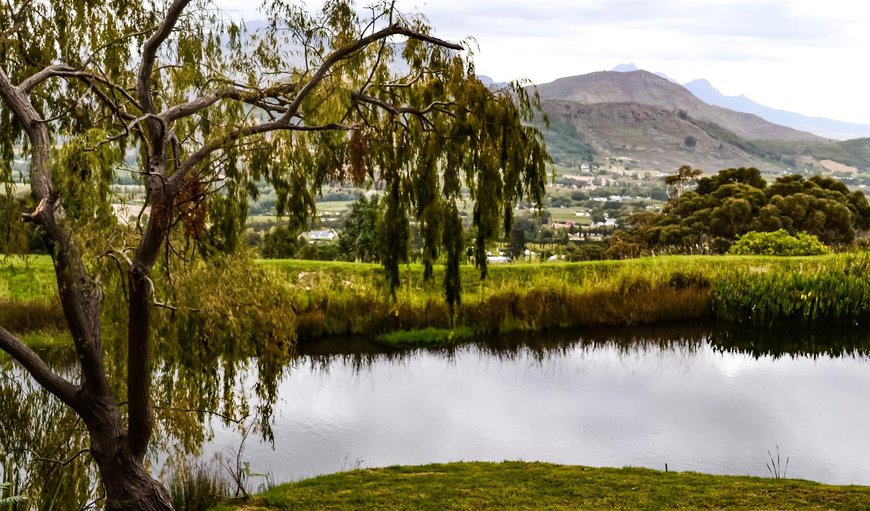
639, 120
822, 126
645, 88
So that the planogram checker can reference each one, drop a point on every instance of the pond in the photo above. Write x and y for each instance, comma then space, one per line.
712, 399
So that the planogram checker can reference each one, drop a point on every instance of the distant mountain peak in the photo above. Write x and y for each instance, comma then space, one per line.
631, 68
625, 68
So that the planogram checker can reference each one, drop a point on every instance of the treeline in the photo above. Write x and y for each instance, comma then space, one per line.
705, 215
710, 217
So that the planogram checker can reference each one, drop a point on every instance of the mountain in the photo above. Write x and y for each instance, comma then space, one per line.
625, 68
828, 128
645, 88
649, 136
628, 68
642, 121
492, 84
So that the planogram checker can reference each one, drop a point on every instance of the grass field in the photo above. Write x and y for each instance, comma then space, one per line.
540, 486
25, 279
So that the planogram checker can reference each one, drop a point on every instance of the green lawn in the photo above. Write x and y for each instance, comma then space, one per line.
30, 278
519, 485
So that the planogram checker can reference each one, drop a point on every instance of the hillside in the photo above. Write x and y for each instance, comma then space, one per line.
652, 137
643, 121
644, 88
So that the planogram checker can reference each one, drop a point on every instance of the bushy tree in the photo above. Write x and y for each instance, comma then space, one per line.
280, 243
212, 111
737, 201
362, 238
681, 178
779, 243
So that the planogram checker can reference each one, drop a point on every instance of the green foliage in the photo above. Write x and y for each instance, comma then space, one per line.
779, 243
224, 310
517, 242
361, 240
270, 306
428, 136
690, 141
756, 148
280, 243
321, 252
37, 428
8, 500
737, 201
565, 143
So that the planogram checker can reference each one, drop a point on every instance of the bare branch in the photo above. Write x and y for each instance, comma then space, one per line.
347, 51
37, 368
202, 411
65, 462
286, 122
252, 97
434, 106
149, 53
44, 74
155, 127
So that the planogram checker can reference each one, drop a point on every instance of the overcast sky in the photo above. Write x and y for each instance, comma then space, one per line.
807, 56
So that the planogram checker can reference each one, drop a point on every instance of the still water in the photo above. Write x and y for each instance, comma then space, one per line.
710, 400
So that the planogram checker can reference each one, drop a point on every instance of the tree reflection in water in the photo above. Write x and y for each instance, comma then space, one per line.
45, 451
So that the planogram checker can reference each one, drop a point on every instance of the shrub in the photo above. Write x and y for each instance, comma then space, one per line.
779, 243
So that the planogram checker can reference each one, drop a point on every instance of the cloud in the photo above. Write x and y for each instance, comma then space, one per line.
801, 54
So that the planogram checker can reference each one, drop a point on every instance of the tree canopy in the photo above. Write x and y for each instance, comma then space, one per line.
734, 202
362, 238
199, 109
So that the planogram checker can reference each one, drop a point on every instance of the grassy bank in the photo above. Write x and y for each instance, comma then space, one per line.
519, 485
346, 298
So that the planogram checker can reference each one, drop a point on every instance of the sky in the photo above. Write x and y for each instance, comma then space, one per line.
805, 56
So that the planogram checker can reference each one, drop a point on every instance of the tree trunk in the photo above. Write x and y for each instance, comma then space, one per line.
127, 483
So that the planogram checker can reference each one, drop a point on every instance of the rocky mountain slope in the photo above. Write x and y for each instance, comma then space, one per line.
645, 88
643, 136
645, 121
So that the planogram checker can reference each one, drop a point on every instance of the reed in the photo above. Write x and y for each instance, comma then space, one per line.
198, 488
836, 293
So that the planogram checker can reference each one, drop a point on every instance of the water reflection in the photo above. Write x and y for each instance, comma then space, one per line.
710, 398
707, 398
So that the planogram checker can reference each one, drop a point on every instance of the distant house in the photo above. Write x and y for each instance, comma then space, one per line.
567, 225
320, 236
498, 259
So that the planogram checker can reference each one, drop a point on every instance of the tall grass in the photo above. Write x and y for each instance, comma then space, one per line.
837, 292
197, 488
321, 299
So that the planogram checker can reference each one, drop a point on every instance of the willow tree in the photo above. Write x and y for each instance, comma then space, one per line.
212, 109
